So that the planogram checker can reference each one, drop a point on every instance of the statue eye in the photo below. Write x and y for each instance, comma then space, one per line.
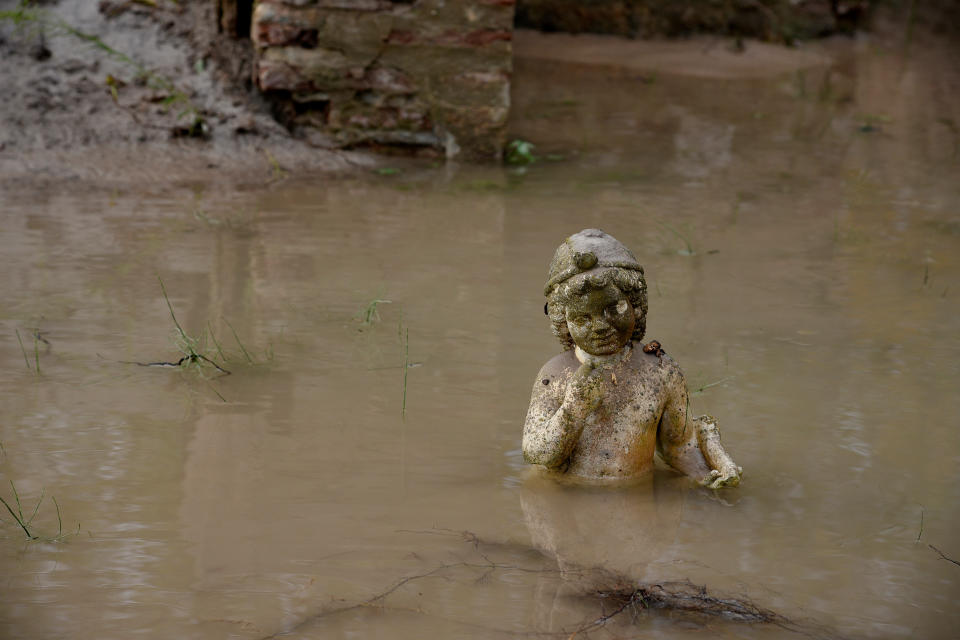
622, 306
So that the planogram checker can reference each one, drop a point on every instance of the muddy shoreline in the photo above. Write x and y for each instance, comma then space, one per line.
149, 92
121, 92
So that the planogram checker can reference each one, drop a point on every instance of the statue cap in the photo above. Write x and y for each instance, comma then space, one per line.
585, 251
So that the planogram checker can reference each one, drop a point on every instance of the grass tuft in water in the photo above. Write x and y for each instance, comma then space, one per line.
369, 314
27, 523
688, 250
191, 347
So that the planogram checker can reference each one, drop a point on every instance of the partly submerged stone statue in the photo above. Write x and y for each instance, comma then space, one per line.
601, 408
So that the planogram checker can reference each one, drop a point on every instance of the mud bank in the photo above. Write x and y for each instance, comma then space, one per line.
123, 91
127, 91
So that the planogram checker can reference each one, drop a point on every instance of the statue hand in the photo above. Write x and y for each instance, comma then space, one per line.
728, 476
584, 392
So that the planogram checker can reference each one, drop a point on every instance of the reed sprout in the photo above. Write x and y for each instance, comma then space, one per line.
27, 523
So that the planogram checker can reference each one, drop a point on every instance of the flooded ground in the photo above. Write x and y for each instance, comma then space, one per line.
359, 475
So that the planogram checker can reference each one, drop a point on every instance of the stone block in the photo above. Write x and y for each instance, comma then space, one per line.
431, 72
472, 133
472, 88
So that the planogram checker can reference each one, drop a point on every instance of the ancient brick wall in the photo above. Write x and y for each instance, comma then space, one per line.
423, 73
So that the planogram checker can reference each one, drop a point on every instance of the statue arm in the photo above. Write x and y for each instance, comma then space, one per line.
554, 421
692, 445
677, 437
724, 471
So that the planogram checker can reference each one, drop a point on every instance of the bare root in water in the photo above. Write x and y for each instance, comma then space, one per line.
617, 597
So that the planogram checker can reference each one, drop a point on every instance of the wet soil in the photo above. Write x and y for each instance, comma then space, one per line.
65, 96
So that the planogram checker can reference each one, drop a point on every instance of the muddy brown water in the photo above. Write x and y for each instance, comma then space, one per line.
818, 311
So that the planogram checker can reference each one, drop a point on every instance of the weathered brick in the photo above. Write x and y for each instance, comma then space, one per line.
472, 88
276, 75
432, 72
390, 80
282, 35
451, 38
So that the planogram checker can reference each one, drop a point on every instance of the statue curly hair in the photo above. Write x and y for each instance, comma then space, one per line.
593, 259
629, 281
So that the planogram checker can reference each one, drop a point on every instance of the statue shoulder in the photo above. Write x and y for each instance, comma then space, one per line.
561, 365
652, 354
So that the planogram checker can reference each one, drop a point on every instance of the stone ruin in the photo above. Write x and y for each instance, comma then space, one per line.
433, 76
430, 74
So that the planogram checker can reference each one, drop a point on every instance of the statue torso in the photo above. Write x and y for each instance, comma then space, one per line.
619, 439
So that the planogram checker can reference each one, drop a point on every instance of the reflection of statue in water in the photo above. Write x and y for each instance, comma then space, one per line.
603, 539
618, 528
601, 408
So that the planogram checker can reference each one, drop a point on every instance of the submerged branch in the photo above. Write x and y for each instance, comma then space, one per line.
604, 588
942, 556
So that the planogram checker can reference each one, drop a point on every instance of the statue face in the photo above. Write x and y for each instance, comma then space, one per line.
600, 321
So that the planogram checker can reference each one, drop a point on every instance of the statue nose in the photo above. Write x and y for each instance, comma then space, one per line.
600, 325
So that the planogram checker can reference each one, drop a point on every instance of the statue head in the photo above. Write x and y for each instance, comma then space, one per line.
588, 268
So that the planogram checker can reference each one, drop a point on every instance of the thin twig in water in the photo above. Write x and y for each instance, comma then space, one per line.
193, 357
921, 525
216, 392
943, 556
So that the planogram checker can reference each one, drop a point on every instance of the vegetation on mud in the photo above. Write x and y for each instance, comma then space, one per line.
27, 16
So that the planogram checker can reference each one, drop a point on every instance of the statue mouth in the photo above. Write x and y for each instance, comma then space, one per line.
605, 343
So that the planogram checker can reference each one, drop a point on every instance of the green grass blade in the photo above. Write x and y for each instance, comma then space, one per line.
19, 521
23, 350
37, 508
406, 370
240, 344
183, 334
59, 519
16, 496
215, 342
